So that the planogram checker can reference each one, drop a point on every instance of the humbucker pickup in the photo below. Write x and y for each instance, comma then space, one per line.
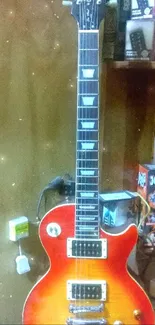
82, 290
87, 248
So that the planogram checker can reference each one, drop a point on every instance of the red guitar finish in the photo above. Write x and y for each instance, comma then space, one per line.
47, 302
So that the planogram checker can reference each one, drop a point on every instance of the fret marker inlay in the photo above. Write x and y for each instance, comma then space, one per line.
87, 172
87, 207
88, 101
87, 194
88, 125
88, 73
87, 145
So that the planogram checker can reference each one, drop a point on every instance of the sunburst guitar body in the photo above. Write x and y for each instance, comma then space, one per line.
87, 282
49, 302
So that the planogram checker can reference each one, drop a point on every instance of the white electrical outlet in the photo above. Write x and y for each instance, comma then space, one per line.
18, 228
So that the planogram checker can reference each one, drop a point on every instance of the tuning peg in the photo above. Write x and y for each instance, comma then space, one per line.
66, 3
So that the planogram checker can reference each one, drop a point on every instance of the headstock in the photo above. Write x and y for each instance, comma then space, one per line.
88, 13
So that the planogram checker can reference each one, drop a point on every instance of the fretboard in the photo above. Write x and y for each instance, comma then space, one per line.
87, 148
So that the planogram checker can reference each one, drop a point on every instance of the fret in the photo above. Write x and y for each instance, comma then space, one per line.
88, 94
90, 184
88, 205
87, 106
87, 236
87, 217
88, 65
84, 220
88, 168
87, 130
89, 80
88, 31
88, 49
88, 151
87, 140
86, 210
87, 119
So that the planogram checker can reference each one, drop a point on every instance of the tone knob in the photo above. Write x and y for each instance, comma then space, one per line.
67, 3
53, 229
137, 313
118, 322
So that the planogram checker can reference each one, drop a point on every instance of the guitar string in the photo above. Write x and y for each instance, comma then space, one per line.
86, 113
81, 20
95, 16
78, 103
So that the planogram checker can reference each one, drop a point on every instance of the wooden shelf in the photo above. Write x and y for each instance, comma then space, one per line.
131, 64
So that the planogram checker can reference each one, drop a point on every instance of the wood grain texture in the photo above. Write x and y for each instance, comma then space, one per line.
47, 302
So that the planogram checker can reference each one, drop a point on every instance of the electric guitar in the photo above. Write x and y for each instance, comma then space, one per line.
87, 282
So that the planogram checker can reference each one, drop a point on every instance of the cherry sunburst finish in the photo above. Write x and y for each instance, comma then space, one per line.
87, 282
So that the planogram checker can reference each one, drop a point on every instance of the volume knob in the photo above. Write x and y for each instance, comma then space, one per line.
53, 229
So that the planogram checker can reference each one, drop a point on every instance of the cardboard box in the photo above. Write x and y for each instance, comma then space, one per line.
146, 188
118, 208
146, 183
142, 9
140, 43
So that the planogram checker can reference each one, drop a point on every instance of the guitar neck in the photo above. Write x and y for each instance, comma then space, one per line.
87, 146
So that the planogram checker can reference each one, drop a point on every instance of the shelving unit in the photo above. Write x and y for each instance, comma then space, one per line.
131, 64
128, 100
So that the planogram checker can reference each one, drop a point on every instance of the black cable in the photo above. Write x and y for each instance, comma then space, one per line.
56, 184
65, 186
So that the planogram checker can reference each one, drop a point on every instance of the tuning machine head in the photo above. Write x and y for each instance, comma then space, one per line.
67, 3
